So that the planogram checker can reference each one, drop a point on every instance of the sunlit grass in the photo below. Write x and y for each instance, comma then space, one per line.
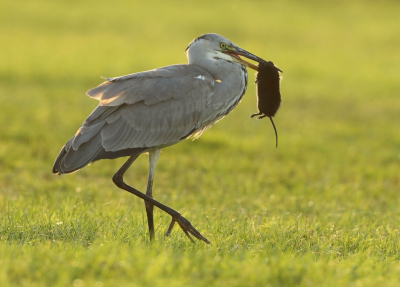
321, 210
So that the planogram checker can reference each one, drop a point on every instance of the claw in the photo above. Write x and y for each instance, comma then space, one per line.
253, 115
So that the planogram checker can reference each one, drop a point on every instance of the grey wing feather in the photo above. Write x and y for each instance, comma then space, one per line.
139, 111
172, 82
163, 123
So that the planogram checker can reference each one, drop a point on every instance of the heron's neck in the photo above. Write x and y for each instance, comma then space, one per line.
220, 69
231, 78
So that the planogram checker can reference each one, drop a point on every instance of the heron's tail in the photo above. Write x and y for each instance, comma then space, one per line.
70, 160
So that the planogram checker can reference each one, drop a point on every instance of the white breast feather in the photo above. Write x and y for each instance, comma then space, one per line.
200, 77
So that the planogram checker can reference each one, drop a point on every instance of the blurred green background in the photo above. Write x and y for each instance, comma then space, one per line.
321, 210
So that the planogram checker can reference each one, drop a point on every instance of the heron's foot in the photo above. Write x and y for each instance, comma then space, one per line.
187, 227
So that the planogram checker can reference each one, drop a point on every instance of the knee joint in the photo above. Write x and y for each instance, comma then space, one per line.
117, 179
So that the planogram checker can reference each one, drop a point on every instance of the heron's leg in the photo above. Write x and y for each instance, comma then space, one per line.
185, 224
153, 158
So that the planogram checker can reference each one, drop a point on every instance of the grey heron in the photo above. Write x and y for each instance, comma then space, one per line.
147, 111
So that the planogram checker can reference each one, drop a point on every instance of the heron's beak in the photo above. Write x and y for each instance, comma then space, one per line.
236, 52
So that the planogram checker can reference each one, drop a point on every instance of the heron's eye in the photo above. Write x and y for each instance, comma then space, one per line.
223, 45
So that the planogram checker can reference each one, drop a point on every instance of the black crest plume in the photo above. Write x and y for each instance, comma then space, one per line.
268, 92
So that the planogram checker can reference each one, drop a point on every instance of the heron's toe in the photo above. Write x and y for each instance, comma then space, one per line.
188, 228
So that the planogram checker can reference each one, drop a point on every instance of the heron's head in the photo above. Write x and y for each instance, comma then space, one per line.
214, 46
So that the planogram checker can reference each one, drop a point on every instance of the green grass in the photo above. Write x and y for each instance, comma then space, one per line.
321, 210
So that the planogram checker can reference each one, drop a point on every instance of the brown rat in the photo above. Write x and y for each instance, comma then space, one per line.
268, 92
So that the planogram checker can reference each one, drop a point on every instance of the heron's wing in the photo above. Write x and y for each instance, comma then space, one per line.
148, 109
151, 87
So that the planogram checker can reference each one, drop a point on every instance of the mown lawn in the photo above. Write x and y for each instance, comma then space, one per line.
321, 210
